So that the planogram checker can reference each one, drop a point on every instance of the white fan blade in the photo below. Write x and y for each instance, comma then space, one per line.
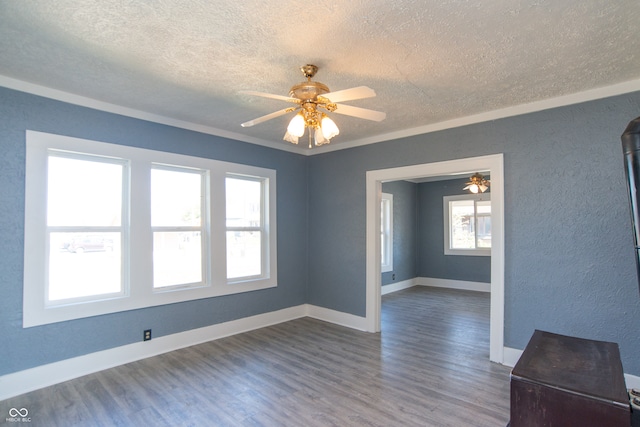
270, 95
267, 117
361, 113
359, 92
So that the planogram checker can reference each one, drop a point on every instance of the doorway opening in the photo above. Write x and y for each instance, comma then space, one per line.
374, 180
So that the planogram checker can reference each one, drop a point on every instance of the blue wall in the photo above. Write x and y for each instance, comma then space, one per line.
418, 241
432, 262
25, 348
405, 239
569, 254
569, 249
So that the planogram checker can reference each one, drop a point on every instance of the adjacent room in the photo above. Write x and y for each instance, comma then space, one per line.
281, 213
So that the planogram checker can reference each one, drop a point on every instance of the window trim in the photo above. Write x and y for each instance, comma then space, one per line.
386, 265
448, 250
203, 228
140, 292
123, 228
263, 228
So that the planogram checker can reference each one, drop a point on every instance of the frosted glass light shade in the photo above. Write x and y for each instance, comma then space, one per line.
290, 138
319, 137
296, 126
329, 128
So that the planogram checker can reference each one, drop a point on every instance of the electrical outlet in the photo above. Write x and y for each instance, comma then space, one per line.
147, 335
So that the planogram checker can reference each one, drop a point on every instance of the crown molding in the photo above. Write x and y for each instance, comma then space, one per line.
95, 104
532, 107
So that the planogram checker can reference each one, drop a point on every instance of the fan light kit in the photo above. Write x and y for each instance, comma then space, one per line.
477, 183
312, 98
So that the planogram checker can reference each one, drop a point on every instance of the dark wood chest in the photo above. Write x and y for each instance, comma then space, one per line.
563, 381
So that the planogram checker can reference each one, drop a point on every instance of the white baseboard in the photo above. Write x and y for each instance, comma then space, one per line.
398, 286
632, 381
337, 317
21, 382
511, 356
453, 284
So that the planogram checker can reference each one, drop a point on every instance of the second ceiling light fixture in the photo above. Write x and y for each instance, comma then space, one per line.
478, 183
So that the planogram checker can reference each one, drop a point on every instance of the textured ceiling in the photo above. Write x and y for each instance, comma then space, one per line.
429, 61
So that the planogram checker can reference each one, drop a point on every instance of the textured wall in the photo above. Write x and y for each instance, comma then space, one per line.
418, 241
405, 239
569, 255
432, 262
25, 348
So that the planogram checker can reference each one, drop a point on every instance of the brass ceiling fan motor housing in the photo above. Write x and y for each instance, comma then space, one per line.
308, 91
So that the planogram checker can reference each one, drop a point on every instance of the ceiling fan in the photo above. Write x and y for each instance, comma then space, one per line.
477, 183
312, 98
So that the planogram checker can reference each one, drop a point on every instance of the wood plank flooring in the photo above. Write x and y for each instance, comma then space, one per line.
429, 367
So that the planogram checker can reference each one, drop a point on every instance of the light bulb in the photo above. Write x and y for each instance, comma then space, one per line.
329, 128
296, 125
473, 188
291, 138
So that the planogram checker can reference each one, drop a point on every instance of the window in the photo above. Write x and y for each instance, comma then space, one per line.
386, 233
84, 227
467, 228
110, 228
177, 226
245, 227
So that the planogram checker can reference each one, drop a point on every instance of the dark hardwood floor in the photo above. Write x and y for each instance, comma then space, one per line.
429, 367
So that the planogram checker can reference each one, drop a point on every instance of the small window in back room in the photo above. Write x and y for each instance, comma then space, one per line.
467, 220
386, 233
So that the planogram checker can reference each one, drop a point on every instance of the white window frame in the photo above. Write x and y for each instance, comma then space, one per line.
448, 250
138, 237
203, 228
263, 228
386, 232
122, 228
